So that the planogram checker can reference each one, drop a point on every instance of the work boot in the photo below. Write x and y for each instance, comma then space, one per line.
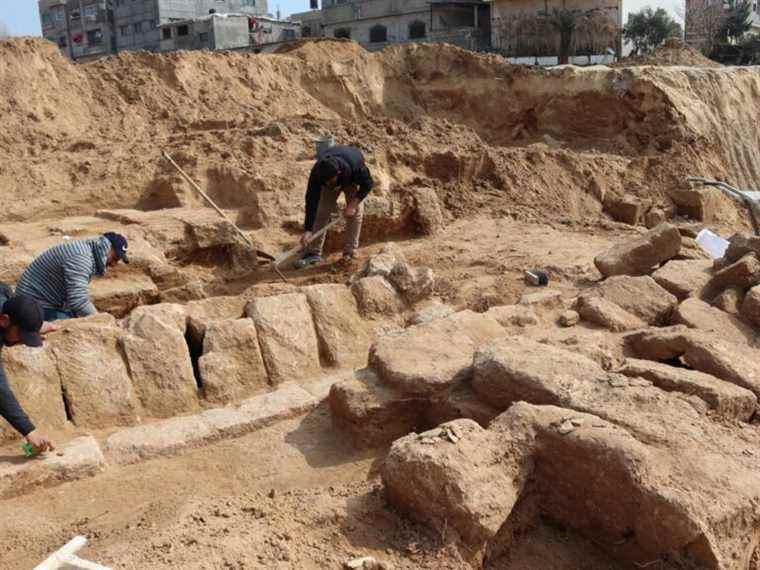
347, 259
306, 260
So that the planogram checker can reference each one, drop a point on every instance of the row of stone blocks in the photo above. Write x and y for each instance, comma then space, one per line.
100, 373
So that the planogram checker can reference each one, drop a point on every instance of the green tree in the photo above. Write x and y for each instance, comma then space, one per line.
737, 22
648, 29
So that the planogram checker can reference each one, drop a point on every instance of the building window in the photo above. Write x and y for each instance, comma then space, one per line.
288, 34
137, 27
62, 42
74, 15
343, 33
94, 37
251, 3
183, 30
59, 15
203, 37
416, 30
47, 21
305, 31
166, 33
378, 34
91, 12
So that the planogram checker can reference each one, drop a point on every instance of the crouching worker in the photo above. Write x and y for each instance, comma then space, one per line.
21, 322
60, 277
340, 169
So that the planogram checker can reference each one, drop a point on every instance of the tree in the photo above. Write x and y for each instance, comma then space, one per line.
564, 22
4, 31
737, 21
648, 29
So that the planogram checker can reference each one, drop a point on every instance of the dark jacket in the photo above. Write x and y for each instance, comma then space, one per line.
353, 171
10, 409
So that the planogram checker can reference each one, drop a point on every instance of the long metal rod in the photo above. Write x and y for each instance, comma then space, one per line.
752, 205
209, 200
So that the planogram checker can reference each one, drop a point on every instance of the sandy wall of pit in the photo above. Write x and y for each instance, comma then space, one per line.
77, 138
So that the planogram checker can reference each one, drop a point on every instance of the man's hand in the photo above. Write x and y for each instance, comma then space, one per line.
48, 328
305, 239
40, 441
351, 207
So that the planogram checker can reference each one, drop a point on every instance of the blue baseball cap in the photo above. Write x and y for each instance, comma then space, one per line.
119, 245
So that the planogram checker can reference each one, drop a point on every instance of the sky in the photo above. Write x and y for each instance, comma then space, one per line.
21, 17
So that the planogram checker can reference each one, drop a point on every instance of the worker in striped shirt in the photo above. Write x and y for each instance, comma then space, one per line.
59, 278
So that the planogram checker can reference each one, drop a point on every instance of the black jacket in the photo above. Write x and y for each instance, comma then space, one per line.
352, 171
10, 409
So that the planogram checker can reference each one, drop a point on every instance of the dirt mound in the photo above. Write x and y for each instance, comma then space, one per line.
672, 53
480, 132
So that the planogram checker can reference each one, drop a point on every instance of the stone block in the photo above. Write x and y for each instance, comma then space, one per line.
459, 479
730, 300
287, 336
685, 278
94, 375
750, 305
231, 366
697, 203
639, 256
33, 376
744, 273
625, 209
569, 318
343, 336
516, 368
428, 359
640, 296
374, 414
429, 311
121, 293
696, 314
376, 297
414, 283
726, 399
544, 299
604, 313
160, 364
76, 459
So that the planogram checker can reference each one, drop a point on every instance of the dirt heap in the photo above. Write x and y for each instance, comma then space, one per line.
480, 132
672, 52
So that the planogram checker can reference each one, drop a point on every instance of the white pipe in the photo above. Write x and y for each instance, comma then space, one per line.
64, 558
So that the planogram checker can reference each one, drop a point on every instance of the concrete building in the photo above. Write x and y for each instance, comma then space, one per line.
83, 29
268, 33
89, 28
215, 31
378, 23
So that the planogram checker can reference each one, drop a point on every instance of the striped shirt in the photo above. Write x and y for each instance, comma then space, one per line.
59, 278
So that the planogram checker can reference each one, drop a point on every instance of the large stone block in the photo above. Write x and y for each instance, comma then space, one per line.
121, 293
94, 375
343, 336
705, 352
428, 359
160, 364
202, 312
697, 314
414, 283
726, 399
640, 255
376, 297
640, 296
744, 273
684, 278
457, 478
286, 335
372, 413
516, 368
604, 313
76, 459
231, 366
33, 375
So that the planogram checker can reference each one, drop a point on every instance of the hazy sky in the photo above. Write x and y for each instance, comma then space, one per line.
22, 18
